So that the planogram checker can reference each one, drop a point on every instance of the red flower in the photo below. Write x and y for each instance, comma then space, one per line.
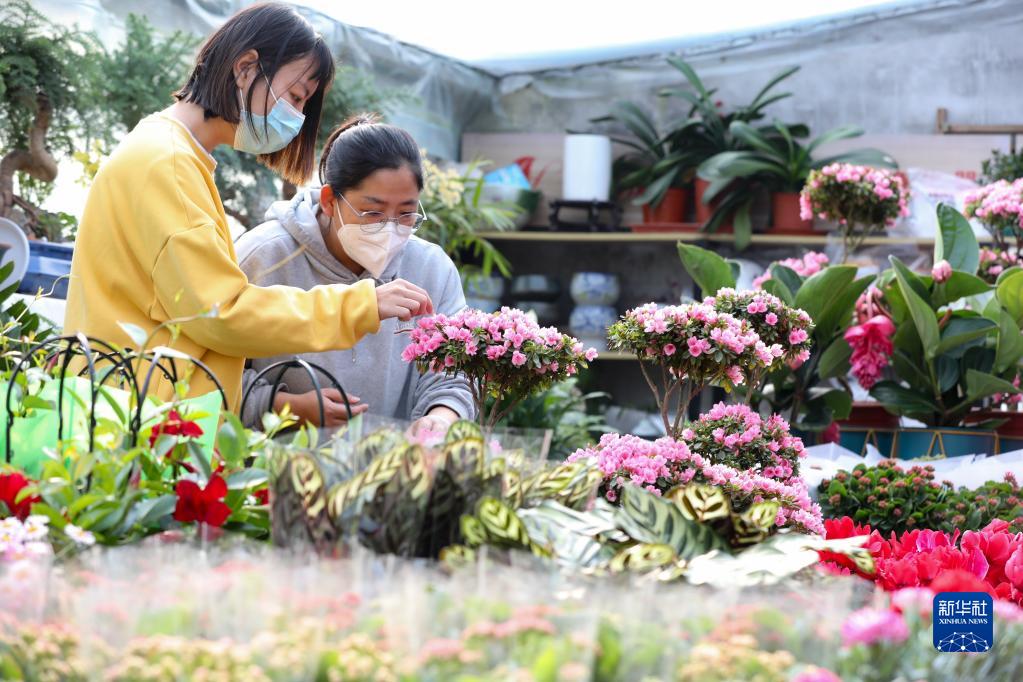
832, 434
175, 426
10, 485
837, 529
202, 505
958, 581
262, 495
871, 346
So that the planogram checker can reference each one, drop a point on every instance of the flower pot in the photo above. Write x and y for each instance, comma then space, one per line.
785, 214
945, 442
705, 211
871, 414
1010, 433
672, 208
857, 438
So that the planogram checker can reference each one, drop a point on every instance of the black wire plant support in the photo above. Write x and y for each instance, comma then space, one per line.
311, 371
64, 349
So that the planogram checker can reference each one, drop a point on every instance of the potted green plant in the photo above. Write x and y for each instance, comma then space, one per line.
658, 167
778, 162
950, 345
707, 132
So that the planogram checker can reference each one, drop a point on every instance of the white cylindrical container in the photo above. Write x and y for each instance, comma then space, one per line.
587, 168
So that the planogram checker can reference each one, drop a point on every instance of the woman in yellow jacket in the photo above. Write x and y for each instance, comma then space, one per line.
153, 244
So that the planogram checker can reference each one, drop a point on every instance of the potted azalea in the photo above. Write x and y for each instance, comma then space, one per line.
505, 356
776, 161
863, 200
940, 345
998, 208
798, 385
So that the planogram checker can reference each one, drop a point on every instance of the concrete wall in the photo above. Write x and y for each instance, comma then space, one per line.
887, 72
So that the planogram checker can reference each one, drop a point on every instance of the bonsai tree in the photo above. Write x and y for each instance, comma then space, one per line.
828, 295
48, 102
505, 356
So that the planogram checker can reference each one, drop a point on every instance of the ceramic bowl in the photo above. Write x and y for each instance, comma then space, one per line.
478, 286
536, 288
486, 305
591, 321
546, 313
595, 288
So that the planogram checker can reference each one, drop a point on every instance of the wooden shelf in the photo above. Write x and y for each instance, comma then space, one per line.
671, 237
615, 355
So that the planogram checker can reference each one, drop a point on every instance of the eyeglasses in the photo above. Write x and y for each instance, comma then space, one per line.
376, 221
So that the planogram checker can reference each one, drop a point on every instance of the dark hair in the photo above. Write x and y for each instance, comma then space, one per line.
280, 36
362, 145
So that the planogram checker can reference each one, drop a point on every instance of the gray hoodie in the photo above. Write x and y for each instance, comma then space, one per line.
373, 370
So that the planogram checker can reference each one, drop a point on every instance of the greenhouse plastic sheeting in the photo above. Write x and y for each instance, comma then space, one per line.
446, 93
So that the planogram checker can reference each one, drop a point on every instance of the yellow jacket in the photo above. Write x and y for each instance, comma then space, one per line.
153, 245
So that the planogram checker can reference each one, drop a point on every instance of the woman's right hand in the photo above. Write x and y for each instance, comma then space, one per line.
403, 300
306, 407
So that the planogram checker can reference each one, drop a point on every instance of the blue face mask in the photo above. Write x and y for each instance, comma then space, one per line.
272, 132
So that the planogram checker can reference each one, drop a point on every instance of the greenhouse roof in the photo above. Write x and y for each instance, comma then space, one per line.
534, 35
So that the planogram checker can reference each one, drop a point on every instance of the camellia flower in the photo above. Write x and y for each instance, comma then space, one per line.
941, 271
11, 486
202, 505
872, 626
872, 347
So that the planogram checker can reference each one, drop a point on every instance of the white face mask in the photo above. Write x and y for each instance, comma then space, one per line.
371, 250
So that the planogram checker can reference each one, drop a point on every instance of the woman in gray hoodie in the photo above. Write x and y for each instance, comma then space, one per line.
359, 225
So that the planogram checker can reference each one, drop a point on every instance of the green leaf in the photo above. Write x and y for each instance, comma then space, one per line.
959, 285
709, 270
246, 478
231, 440
788, 276
778, 288
903, 401
955, 241
1010, 343
962, 332
136, 333
922, 314
1009, 291
981, 385
834, 361
150, 511
818, 292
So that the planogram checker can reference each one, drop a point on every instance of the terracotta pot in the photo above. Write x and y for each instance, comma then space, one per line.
672, 208
871, 414
785, 214
705, 211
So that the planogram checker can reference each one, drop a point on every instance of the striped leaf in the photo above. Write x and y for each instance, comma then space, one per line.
642, 558
649, 519
699, 502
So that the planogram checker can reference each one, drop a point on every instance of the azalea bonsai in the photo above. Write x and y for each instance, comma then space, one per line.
505, 356
945, 349
827, 295
861, 199
999, 208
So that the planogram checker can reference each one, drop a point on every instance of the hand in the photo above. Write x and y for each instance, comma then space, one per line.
403, 300
437, 421
306, 407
